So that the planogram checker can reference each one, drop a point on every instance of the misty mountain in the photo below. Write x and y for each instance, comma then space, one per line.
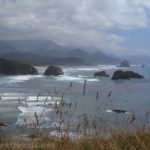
79, 53
49, 52
35, 59
41, 52
95, 57
31, 45
101, 58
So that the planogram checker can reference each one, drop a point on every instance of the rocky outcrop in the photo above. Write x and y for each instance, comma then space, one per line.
119, 111
119, 74
101, 74
124, 63
9, 67
54, 70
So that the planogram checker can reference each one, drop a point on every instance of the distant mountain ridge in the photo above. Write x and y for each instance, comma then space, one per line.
44, 60
42, 52
31, 45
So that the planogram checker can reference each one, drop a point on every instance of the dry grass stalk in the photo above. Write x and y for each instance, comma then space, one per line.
84, 87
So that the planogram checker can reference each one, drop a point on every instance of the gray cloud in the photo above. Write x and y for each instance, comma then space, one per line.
73, 22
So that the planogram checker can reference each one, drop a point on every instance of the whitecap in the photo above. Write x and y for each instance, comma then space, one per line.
75, 69
11, 94
22, 78
30, 120
33, 109
41, 103
109, 111
92, 80
35, 115
81, 76
107, 67
87, 69
69, 78
12, 98
41, 69
42, 98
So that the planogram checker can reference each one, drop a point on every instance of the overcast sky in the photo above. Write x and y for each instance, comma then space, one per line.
115, 26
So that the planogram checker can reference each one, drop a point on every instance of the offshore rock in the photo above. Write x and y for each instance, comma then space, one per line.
124, 63
101, 74
53, 70
10, 67
119, 74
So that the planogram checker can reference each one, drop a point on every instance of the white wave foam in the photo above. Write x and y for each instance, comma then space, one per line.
42, 69
42, 98
35, 115
22, 78
11, 94
86, 69
92, 80
75, 69
78, 78
107, 67
30, 120
109, 111
33, 109
12, 98
81, 76
41, 103
69, 78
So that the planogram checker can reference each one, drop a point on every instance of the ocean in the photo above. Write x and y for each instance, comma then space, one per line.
35, 101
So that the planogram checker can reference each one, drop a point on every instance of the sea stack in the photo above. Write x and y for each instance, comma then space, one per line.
53, 70
10, 67
101, 74
119, 74
124, 63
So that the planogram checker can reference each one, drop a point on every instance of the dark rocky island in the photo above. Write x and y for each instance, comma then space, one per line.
124, 63
10, 67
101, 74
119, 74
53, 70
119, 111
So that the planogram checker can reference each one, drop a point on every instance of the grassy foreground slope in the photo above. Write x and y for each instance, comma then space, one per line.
138, 140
